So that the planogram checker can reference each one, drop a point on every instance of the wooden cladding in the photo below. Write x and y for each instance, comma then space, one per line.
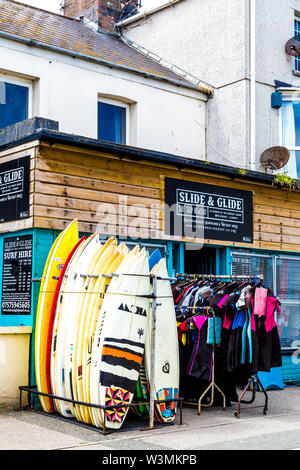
125, 197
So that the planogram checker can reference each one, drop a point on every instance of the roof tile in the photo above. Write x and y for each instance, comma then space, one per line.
68, 33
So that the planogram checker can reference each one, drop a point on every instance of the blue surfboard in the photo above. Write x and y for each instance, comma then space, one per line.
154, 258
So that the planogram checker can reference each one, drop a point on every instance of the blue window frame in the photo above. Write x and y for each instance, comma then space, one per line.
297, 33
290, 114
111, 122
13, 103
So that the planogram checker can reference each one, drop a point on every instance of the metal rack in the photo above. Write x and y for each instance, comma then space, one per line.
32, 389
253, 381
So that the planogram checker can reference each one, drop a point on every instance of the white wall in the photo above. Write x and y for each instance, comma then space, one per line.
211, 40
208, 40
164, 117
274, 27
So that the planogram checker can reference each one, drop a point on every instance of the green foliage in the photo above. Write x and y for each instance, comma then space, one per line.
283, 180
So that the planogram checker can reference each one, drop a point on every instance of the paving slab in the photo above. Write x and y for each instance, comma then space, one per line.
214, 429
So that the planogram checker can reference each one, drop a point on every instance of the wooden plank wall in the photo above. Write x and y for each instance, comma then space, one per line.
71, 182
68, 182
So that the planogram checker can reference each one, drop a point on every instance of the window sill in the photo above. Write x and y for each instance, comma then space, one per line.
296, 73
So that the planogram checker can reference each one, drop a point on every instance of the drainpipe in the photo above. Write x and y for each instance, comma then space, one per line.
252, 9
144, 13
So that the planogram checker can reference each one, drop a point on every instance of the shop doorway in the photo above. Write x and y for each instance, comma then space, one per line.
202, 261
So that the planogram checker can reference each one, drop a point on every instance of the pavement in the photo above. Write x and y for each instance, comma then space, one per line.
214, 429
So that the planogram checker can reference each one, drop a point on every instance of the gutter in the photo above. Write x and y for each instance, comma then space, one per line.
97, 60
138, 154
144, 13
288, 89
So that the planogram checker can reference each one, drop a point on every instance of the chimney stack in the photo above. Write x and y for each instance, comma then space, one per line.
105, 13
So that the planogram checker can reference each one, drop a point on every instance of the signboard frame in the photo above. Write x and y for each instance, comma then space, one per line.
17, 261
14, 190
214, 212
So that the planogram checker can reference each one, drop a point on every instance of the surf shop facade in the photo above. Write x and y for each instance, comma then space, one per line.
205, 219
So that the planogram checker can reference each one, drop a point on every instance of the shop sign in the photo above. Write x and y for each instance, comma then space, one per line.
198, 210
14, 189
16, 275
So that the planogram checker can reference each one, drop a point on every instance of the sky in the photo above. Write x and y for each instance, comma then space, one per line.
54, 5
50, 5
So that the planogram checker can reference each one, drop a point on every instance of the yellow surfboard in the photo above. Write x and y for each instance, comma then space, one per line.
56, 258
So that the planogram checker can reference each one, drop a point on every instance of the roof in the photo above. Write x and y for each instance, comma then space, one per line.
24, 132
51, 30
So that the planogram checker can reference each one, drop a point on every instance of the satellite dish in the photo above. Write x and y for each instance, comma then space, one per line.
275, 157
292, 47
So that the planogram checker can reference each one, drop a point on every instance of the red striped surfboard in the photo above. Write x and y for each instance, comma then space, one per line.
52, 317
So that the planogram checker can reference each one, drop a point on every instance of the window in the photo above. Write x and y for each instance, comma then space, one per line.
290, 132
281, 274
297, 33
14, 101
113, 121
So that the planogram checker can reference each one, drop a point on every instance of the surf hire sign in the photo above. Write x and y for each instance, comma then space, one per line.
203, 211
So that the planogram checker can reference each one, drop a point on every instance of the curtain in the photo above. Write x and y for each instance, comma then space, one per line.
289, 137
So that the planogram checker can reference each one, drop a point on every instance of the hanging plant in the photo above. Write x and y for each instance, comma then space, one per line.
283, 180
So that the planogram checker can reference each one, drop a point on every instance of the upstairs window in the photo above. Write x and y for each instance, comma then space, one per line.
297, 33
112, 121
290, 116
14, 102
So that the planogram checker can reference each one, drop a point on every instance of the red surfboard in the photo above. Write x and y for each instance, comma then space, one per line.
52, 317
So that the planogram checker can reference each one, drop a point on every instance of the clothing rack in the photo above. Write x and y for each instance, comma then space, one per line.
221, 276
209, 312
253, 380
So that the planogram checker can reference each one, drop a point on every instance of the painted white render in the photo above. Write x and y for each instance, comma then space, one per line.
211, 40
163, 117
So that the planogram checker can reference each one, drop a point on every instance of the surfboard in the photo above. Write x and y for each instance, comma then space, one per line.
94, 310
95, 358
95, 268
76, 301
142, 384
166, 376
154, 258
63, 311
69, 301
122, 341
90, 325
55, 261
142, 392
52, 318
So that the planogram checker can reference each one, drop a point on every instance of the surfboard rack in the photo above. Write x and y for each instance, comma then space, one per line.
32, 389
152, 399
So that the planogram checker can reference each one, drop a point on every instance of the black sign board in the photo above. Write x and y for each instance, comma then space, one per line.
204, 211
16, 275
14, 189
